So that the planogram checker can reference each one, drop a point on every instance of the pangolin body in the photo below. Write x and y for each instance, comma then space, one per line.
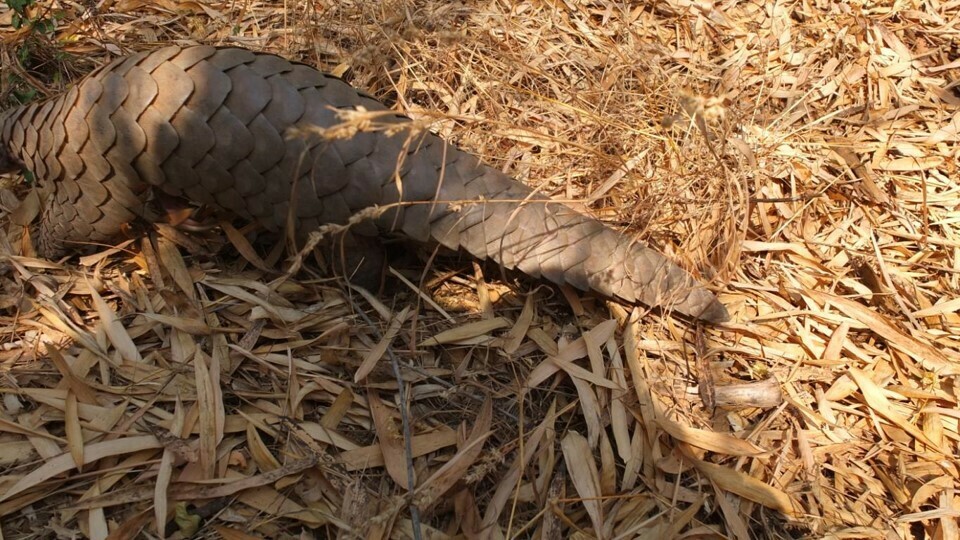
213, 125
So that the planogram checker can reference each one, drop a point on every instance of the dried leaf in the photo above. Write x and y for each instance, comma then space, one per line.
229, 533
874, 397
466, 332
720, 443
391, 441
115, 330
508, 481
583, 473
242, 246
925, 355
170, 258
92, 453
377, 352
367, 457
338, 409
207, 405
452, 471
191, 326
74, 433
273, 503
747, 487
517, 333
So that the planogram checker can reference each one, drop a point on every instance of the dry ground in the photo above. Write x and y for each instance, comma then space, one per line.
800, 156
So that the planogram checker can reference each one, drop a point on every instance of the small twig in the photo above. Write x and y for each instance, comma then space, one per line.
421, 294
805, 197
404, 419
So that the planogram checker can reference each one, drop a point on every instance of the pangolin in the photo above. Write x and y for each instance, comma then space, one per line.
215, 126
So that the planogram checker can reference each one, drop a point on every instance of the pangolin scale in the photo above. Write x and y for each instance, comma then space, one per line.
212, 125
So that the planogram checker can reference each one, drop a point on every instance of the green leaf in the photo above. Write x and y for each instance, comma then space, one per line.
23, 54
44, 26
25, 95
19, 6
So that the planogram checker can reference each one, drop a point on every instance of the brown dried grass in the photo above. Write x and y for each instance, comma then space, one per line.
803, 156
